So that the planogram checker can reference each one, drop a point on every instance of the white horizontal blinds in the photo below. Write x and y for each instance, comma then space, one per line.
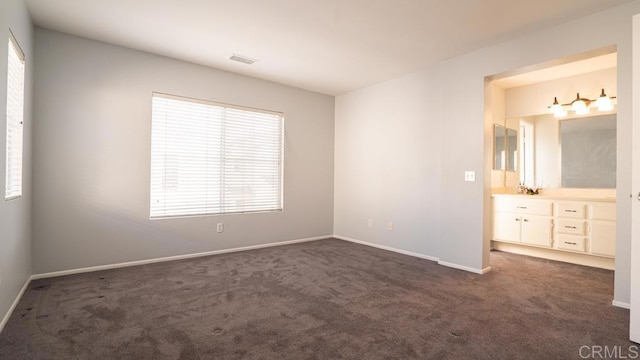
213, 159
251, 158
15, 110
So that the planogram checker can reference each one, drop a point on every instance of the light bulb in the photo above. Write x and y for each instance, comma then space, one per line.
579, 106
604, 102
556, 109
560, 114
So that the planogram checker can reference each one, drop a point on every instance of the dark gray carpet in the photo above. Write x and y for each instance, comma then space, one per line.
326, 299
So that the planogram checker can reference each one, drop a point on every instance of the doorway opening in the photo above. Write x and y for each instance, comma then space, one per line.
545, 203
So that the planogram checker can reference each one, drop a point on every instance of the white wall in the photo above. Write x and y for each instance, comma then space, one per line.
387, 164
15, 215
449, 100
635, 248
534, 99
92, 157
547, 151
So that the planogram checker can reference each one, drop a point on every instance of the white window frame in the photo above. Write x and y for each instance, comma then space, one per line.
15, 119
231, 162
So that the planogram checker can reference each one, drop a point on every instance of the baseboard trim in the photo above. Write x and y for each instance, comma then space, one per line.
388, 248
15, 303
621, 304
415, 254
465, 268
172, 258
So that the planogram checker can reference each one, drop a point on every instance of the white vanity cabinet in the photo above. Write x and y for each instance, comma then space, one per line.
522, 220
561, 225
570, 226
584, 226
602, 229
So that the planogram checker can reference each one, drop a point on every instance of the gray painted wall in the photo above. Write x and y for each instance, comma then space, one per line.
15, 215
92, 157
402, 146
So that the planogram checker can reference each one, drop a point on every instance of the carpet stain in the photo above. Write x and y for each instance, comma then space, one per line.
102, 312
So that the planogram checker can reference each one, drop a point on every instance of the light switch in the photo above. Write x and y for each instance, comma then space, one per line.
469, 176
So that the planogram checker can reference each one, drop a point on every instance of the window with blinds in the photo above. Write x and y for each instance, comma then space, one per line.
15, 110
209, 158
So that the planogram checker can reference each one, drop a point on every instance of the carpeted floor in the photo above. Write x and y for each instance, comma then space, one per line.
326, 299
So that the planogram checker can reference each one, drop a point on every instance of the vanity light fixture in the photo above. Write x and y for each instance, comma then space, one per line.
581, 106
604, 102
557, 109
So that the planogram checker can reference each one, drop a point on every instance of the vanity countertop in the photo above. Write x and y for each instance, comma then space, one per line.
561, 197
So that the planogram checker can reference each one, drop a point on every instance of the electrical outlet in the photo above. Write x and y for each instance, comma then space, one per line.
220, 227
469, 176
370, 223
389, 226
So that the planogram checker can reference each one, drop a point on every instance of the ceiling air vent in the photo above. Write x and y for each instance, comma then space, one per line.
242, 59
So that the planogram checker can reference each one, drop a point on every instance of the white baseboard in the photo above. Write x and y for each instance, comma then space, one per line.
172, 258
621, 304
556, 255
388, 248
414, 254
15, 303
465, 268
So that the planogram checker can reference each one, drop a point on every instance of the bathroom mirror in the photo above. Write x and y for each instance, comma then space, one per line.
512, 149
499, 143
572, 153
588, 152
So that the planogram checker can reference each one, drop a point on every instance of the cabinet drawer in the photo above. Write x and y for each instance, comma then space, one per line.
573, 243
518, 205
602, 212
570, 226
571, 210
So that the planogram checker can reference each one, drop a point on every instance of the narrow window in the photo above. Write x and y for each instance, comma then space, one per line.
210, 158
15, 120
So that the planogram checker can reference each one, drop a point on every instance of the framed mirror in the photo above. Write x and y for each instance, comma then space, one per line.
499, 147
512, 150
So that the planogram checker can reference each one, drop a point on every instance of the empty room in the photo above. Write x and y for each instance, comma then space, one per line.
320, 179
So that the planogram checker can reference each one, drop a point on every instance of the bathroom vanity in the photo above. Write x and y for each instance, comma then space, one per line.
574, 229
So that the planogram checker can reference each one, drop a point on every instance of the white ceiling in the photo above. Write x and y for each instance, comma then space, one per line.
327, 46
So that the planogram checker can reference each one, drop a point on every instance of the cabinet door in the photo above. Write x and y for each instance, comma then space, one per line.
603, 211
603, 238
506, 227
536, 230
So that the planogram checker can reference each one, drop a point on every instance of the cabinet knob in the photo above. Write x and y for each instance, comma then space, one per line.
525, 220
